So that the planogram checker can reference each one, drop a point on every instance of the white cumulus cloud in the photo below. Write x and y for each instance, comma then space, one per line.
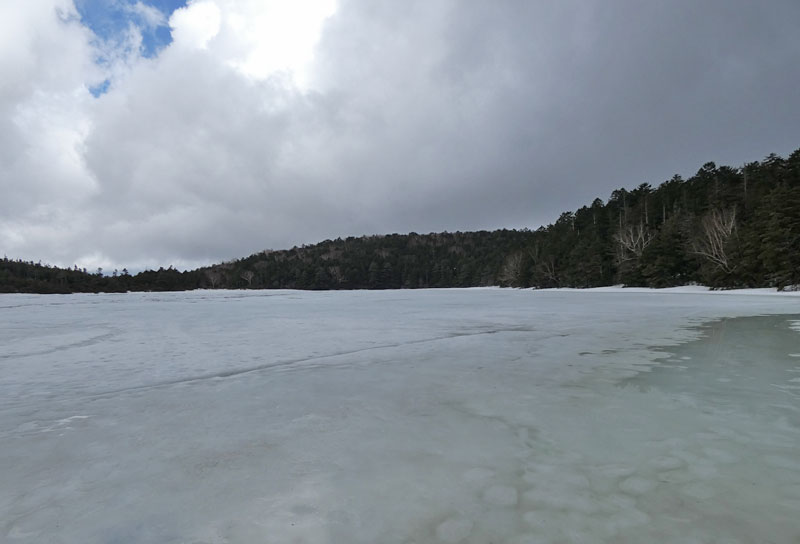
196, 24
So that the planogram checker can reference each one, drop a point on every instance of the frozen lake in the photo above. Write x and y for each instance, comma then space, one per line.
397, 417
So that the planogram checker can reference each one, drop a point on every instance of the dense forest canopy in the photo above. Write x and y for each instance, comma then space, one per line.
724, 227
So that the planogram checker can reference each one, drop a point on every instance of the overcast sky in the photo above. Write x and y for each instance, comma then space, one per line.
157, 132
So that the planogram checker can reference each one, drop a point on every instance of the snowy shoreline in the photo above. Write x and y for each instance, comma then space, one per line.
684, 289
681, 290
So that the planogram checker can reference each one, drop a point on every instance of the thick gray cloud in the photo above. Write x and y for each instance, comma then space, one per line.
412, 116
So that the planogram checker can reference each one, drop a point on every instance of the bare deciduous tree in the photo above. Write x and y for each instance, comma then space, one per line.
717, 228
511, 273
544, 266
248, 276
213, 278
548, 268
632, 241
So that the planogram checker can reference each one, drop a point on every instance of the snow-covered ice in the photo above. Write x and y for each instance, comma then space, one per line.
433, 416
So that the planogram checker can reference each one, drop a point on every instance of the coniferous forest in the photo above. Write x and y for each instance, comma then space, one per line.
725, 227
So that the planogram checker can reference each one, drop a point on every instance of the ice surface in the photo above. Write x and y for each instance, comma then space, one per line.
460, 416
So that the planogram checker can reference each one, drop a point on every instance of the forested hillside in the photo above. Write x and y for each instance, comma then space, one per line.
18, 276
459, 259
724, 227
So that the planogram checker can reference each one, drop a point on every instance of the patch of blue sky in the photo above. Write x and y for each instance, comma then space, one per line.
100, 88
110, 20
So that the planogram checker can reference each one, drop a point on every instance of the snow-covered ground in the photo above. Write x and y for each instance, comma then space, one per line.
397, 417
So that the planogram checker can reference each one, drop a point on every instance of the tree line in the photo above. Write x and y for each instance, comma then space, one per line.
725, 227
